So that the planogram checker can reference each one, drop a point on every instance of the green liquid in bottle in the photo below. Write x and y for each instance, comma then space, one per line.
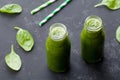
58, 48
92, 40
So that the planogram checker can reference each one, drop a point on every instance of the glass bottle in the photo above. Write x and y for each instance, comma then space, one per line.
92, 39
58, 48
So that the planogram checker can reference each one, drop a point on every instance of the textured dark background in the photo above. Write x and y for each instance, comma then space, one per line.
34, 63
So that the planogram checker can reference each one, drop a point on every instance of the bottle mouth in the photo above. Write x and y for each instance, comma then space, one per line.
58, 31
93, 23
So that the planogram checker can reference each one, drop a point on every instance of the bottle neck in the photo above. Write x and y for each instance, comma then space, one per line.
93, 26
58, 32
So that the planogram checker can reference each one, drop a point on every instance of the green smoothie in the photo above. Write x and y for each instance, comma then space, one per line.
58, 48
92, 40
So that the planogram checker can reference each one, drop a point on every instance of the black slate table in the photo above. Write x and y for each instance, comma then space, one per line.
34, 63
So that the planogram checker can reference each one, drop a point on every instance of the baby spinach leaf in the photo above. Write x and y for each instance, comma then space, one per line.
24, 39
13, 60
118, 34
111, 4
11, 8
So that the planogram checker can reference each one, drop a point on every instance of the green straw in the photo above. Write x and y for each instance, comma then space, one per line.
54, 12
42, 6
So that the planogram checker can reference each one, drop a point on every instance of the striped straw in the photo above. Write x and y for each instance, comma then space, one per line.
42, 6
54, 12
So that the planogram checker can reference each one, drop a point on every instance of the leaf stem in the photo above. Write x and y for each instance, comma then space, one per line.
12, 49
17, 28
100, 4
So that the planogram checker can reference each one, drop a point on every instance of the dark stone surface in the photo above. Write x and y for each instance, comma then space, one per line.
34, 63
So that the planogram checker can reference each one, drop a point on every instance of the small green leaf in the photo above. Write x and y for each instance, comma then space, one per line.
24, 39
11, 8
13, 60
111, 4
118, 34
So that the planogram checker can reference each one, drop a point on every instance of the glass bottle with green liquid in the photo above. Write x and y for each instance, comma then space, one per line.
58, 48
92, 39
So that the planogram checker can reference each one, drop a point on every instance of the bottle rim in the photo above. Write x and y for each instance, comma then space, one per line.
60, 37
98, 19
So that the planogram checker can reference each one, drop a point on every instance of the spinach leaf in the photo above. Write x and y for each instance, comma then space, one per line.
111, 4
118, 34
11, 8
13, 60
24, 39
